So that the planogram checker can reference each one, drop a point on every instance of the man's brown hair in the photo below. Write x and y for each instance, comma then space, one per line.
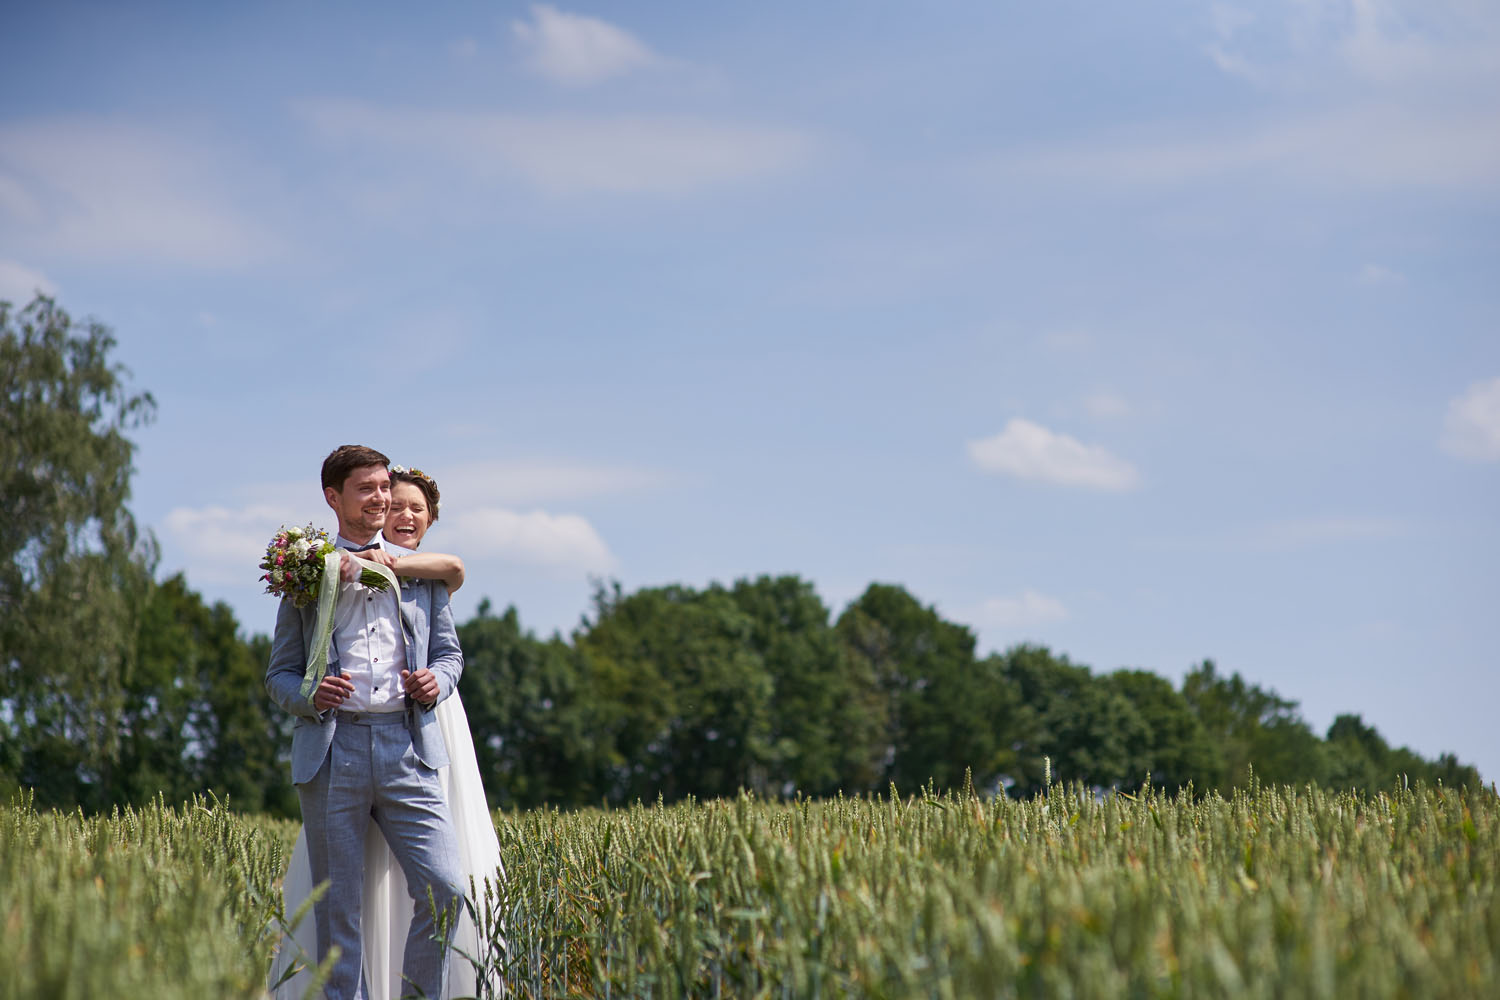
345, 459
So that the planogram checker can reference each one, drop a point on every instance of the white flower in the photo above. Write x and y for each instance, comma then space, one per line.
300, 548
399, 470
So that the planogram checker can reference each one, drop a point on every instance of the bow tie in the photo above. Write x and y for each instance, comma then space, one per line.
366, 548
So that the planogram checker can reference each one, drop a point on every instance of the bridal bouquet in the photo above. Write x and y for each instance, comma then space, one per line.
295, 563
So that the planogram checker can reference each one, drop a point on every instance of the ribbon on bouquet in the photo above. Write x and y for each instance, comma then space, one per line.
328, 595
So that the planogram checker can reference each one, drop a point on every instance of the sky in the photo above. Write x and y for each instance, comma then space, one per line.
1152, 332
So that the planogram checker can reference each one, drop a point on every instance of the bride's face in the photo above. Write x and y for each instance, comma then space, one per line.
409, 517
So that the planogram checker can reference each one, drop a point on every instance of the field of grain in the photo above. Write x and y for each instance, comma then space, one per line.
1272, 893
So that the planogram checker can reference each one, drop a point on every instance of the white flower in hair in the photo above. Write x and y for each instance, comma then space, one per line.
400, 470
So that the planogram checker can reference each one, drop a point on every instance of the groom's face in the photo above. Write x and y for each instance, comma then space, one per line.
362, 504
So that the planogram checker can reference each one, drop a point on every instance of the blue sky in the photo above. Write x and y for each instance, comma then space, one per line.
1151, 332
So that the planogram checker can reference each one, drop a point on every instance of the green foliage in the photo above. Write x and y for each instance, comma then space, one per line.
1088, 730
532, 713
188, 725
1359, 757
73, 570
688, 700
1173, 747
944, 713
1256, 730
828, 715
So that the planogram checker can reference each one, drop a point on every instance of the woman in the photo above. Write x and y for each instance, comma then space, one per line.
387, 908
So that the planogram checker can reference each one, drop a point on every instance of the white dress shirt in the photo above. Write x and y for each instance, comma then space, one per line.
368, 639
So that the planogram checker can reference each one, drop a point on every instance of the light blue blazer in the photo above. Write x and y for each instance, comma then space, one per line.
431, 641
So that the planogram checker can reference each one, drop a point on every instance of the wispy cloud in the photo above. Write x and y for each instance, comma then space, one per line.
1300, 532
103, 189
561, 543
567, 154
522, 483
1027, 609
222, 545
1472, 428
1300, 45
1378, 275
1108, 406
19, 283
1374, 147
578, 50
1030, 451
1068, 341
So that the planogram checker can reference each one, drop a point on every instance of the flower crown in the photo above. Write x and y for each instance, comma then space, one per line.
402, 470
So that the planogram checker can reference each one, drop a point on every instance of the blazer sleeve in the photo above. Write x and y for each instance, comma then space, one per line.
444, 656
288, 664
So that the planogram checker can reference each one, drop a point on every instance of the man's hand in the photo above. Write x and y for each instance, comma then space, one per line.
348, 568
332, 692
421, 686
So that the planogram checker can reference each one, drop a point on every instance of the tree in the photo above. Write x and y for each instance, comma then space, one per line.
1174, 749
1089, 730
74, 569
1359, 757
533, 715
1255, 728
690, 700
827, 712
945, 714
192, 721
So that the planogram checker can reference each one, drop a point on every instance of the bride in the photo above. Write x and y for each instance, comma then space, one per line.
387, 908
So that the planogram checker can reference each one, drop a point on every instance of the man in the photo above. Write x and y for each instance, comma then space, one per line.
368, 744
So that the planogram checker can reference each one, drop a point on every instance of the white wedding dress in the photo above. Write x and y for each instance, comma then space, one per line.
387, 909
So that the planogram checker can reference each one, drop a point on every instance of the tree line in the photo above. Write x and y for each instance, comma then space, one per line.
116, 687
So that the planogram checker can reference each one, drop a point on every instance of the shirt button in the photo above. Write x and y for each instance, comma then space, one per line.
377, 659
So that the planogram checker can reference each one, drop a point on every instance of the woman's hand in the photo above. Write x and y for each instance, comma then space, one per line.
380, 556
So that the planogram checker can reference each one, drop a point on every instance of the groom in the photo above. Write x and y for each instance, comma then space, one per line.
368, 745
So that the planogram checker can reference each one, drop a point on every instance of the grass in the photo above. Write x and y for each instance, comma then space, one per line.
1275, 892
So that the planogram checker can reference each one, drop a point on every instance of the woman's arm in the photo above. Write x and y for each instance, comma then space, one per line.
431, 566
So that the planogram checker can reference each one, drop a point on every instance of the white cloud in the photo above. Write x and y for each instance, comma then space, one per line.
568, 154
563, 543
1472, 428
1028, 609
19, 283
577, 50
222, 545
1029, 451
521, 483
103, 189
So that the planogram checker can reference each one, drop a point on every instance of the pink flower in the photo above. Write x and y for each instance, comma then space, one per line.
280, 558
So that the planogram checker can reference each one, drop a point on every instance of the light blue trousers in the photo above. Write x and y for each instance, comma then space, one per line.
371, 772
